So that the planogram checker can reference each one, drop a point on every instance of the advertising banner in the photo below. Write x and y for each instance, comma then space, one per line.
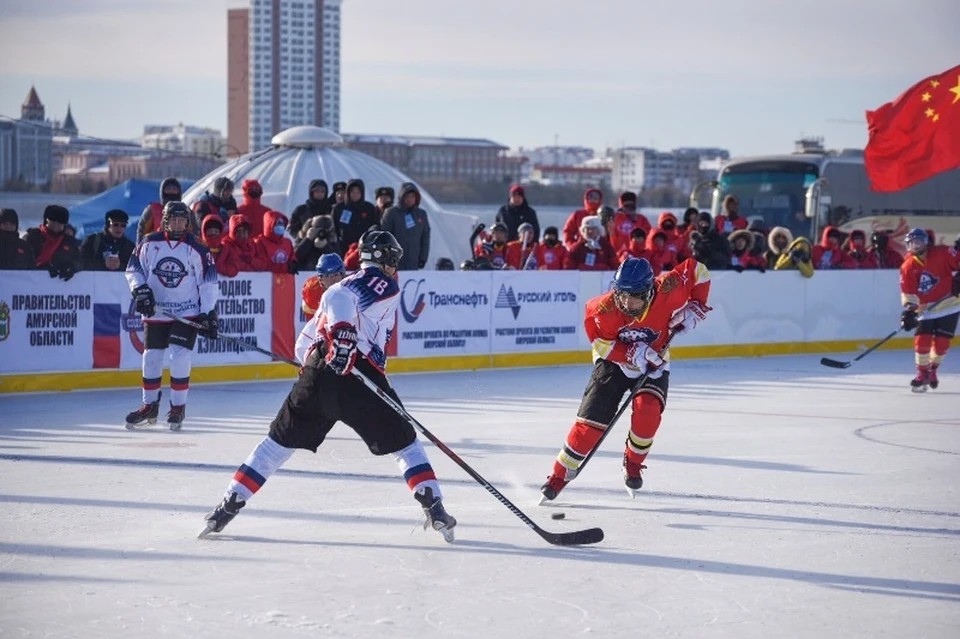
535, 311
46, 324
444, 315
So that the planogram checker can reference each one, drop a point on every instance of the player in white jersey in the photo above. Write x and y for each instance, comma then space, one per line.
171, 271
351, 328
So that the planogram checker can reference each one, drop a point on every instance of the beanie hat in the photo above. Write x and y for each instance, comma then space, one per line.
516, 188
56, 213
9, 215
116, 215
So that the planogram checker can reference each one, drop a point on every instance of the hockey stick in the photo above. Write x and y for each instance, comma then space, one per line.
833, 363
574, 538
232, 340
623, 406
474, 235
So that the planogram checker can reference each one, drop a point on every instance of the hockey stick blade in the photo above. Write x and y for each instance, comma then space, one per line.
575, 538
832, 363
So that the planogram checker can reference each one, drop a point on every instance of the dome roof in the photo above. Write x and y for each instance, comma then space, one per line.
306, 153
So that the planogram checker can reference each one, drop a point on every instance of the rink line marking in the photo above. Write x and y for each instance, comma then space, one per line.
860, 433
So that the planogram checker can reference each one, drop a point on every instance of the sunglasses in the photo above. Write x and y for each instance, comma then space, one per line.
119, 225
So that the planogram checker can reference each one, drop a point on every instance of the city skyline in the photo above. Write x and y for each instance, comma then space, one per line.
745, 75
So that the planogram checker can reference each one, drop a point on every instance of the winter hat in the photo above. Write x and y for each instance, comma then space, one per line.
56, 213
516, 188
116, 215
252, 186
385, 191
9, 215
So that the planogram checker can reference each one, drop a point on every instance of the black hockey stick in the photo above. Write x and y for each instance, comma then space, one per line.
834, 363
623, 406
474, 235
232, 340
574, 538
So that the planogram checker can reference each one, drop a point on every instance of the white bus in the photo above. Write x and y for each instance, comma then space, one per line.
806, 191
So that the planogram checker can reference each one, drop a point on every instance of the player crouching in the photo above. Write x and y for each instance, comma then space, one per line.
927, 282
627, 328
351, 328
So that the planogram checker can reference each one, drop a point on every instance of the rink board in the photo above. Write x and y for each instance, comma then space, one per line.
85, 334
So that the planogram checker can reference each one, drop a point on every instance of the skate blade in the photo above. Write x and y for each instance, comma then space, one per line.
175, 427
631, 492
919, 389
207, 529
141, 425
447, 533
543, 500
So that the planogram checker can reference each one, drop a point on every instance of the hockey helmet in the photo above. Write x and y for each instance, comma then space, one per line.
634, 278
330, 264
380, 247
917, 241
173, 210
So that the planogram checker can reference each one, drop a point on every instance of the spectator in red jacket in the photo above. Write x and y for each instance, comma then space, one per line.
495, 249
211, 234
880, 247
828, 254
675, 240
856, 248
626, 220
242, 247
729, 220
637, 247
592, 200
524, 254
351, 260
741, 252
659, 249
251, 209
553, 252
592, 252
274, 247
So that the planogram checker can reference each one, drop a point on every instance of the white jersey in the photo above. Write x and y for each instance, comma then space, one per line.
182, 275
366, 300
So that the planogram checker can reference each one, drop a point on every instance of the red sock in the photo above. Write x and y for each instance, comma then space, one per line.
580, 441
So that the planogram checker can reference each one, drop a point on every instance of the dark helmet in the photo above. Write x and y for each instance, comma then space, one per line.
917, 241
172, 210
330, 264
499, 226
445, 264
380, 247
634, 278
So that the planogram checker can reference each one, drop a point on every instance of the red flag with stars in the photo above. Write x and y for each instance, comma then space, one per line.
917, 135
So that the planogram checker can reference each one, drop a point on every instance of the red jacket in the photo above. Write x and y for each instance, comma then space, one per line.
587, 259
251, 209
276, 250
825, 256
496, 254
520, 259
553, 257
351, 261
623, 225
638, 249
726, 226
887, 258
226, 258
666, 256
244, 251
571, 229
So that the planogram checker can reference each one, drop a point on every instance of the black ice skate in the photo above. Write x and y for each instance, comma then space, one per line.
147, 413
176, 415
632, 477
932, 380
437, 517
551, 489
919, 383
222, 515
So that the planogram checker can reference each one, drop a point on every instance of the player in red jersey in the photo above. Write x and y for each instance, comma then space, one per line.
330, 270
627, 328
926, 278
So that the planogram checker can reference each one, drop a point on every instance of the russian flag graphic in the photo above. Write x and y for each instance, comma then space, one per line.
106, 335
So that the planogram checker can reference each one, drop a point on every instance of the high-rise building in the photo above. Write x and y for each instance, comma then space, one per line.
283, 69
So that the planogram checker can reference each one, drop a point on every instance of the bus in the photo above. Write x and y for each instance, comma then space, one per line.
805, 192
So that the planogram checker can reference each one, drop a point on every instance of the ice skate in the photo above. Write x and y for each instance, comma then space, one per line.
632, 477
146, 414
222, 515
176, 415
932, 380
550, 490
437, 517
919, 383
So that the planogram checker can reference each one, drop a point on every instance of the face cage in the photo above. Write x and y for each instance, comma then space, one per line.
645, 297
916, 245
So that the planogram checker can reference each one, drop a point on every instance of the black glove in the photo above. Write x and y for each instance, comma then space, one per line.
908, 319
143, 299
955, 285
53, 270
342, 350
66, 273
292, 268
209, 321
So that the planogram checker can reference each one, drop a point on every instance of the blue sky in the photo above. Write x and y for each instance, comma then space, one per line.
749, 75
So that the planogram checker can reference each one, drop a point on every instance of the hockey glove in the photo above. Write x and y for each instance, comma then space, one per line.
646, 359
908, 319
210, 323
955, 285
687, 318
342, 349
143, 300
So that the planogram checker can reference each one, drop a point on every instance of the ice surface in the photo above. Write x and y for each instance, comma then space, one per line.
782, 499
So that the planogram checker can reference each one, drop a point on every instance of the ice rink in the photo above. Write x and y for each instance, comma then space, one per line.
782, 499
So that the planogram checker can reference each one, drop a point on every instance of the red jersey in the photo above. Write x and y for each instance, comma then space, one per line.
925, 281
497, 255
623, 225
553, 257
612, 332
520, 259
311, 293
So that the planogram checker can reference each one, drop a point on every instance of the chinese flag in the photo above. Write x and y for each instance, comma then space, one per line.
917, 135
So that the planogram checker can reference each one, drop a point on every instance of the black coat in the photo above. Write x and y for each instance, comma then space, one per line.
514, 216
15, 254
95, 246
353, 219
65, 258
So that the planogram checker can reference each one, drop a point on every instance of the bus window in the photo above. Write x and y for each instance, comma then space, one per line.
772, 191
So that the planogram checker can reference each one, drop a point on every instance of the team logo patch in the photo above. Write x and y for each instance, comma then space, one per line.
280, 257
412, 311
669, 283
170, 271
4, 321
633, 335
927, 282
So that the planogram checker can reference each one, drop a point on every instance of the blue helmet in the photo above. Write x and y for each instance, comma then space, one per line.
634, 278
916, 240
330, 264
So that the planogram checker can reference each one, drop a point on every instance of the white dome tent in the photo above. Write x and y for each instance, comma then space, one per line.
306, 153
